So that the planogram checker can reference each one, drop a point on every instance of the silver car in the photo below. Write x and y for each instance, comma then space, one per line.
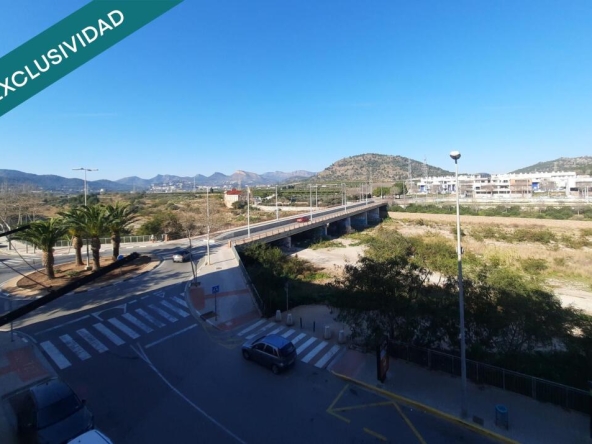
273, 351
182, 256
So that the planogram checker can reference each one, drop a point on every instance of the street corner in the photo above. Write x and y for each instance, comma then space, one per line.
197, 298
349, 364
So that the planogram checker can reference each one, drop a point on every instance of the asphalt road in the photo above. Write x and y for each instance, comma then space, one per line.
178, 380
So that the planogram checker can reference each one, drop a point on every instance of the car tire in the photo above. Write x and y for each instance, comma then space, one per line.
275, 369
246, 355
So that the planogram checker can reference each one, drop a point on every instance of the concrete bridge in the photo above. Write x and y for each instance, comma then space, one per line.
333, 221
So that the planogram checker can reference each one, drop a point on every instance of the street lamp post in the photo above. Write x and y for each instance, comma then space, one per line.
208, 220
85, 192
248, 214
455, 155
317, 197
277, 212
310, 199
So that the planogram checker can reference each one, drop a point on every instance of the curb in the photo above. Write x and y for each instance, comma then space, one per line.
196, 314
450, 418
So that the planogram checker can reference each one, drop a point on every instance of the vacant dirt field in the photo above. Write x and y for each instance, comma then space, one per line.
568, 269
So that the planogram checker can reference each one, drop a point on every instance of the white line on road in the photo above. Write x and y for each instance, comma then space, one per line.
75, 347
328, 356
94, 342
180, 301
277, 330
163, 313
55, 355
149, 318
314, 352
298, 338
248, 329
288, 333
171, 335
305, 345
124, 328
61, 325
109, 334
260, 331
130, 317
171, 307
145, 358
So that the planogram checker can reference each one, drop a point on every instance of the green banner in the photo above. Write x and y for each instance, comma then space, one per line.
71, 43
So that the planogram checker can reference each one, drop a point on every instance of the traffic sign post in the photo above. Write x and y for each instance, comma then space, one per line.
215, 290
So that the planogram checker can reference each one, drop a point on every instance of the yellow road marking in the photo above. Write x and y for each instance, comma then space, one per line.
409, 423
330, 408
376, 435
362, 406
343, 418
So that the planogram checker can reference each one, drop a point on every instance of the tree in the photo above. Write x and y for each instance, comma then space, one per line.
44, 235
400, 188
119, 218
95, 225
75, 220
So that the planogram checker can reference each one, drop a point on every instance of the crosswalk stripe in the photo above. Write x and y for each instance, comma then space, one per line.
94, 342
149, 318
179, 301
327, 356
314, 351
124, 328
163, 313
297, 339
277, 330
305, 345
170, 306
57, 357
288, 333
75, 347
261, 330
251, 327
109, 334
130, 317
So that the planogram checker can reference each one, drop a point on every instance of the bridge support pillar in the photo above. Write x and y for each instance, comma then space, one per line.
373, 216
287, 242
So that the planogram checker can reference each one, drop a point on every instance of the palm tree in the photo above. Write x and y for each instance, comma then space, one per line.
75, 221
44, 234
119, 217
95, 225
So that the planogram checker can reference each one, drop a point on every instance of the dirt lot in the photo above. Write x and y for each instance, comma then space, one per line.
568, 273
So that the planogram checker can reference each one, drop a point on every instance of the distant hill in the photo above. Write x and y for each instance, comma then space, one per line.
581, 165
378, 168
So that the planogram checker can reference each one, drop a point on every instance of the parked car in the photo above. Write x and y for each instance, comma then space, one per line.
91, 437
303, 219
182, 256
273, 351
50, 412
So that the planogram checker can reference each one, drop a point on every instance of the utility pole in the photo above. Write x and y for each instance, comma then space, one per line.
277, 212
85, 192
208, 220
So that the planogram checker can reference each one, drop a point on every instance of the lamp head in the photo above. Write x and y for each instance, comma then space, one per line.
455, 155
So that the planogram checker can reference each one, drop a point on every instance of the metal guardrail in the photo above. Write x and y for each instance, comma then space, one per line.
107, 240
540, 389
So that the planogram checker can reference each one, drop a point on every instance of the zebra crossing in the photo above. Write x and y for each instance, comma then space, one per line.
67, 349
310, 350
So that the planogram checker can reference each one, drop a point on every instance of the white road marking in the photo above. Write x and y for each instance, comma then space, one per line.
314, 351
305, 345
109, 334
94, 342
251, 327
124, 328
149, 318
180, 301
288, 333
171, 307
55, 355
261, 330
277, 330
298, 338
321, 363
130, 317
171, 335
61, 325
75, 347
163, 313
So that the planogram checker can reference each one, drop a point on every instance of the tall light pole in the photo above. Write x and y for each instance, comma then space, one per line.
208, 220
317, 197
277, 212
85, 192
461, 303
310, 193
248, 214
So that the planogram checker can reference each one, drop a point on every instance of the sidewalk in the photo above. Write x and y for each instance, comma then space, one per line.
438, 393
21, 364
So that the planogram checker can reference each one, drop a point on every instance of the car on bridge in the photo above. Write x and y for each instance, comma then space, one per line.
303, 219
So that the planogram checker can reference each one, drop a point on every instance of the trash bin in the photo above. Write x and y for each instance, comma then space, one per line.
501, 416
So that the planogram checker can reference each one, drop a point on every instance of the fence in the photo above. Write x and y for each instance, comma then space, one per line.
107, 240
545, 391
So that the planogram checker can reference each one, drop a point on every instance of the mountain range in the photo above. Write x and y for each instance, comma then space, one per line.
364, 167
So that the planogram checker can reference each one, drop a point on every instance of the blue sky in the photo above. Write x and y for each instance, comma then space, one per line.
268, 85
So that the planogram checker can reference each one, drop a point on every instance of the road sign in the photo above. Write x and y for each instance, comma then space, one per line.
215, 289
